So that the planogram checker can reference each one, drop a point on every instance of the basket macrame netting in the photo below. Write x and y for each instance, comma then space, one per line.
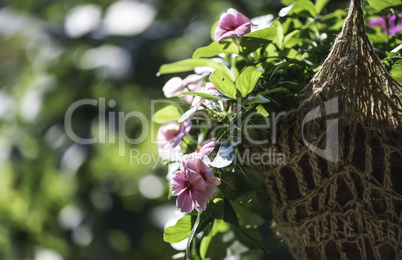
351, 207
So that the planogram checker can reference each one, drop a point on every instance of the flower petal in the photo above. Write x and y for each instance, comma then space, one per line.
243, 29
178, 183
173, 87
194, 78
232, 24
210, 86
207, 147
200, 199
185, 128
191, 163
195, 106
184, 202
210, 190
226, 35
167, 133
195, 179
227, 21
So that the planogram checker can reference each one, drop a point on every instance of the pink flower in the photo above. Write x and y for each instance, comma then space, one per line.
394, 23
194, 184
169, 136
232, 24
207, 147
173, 87
377, 22
176, 85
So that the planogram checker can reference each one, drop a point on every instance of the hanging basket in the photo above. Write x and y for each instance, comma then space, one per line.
339, 195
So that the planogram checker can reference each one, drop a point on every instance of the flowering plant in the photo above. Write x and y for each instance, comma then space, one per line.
241, 84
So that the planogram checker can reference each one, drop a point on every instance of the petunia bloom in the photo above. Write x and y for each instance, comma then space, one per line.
232, 24
194, 184
169, 136
394, 24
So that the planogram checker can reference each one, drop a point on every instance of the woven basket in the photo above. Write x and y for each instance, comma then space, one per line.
339, 195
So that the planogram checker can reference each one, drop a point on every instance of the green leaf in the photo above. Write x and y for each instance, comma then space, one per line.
261, 110
302, 8
289, 36
268, 34
319, 5
166, 114
212, 245
279, 89
247, 80
215, 208
287, 2
190, 64
292, 42
229, 215
178, 232
215, 48
246, 216
233, 184
396, 72
252, 238
282, 65
259, 99
224, 83
279, 36
252, 41
382, 4
201, 94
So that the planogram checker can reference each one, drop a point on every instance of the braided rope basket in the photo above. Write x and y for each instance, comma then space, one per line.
344, 199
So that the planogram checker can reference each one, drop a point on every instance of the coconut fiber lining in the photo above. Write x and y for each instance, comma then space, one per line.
339, 194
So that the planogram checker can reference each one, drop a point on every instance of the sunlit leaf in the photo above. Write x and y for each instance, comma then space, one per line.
215, 48
224, 83
396, 72
382, 4
178, 232
212, 245
166, 114
201, 94
279, 36
261, 110
301, 7
247, 80
268, 34
319, 5
190, 64
289, 37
